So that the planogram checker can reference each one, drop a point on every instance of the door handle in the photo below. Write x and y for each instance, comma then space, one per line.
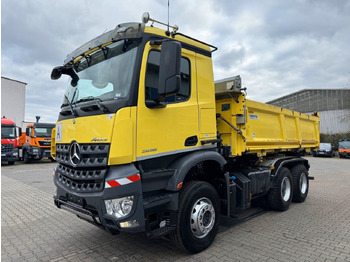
191, 141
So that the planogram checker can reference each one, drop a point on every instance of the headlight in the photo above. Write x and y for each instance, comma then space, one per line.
119, 207
35, 150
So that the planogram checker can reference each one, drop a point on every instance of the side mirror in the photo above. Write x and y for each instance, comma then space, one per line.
67, 70
27, 132
19, 131
56, 73
169, 70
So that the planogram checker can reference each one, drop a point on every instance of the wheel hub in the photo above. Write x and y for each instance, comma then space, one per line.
202, 217
303, 183
286, 189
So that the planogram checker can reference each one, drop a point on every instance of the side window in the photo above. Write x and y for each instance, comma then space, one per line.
152, 78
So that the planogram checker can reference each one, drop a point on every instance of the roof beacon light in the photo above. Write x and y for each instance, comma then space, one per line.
146, 18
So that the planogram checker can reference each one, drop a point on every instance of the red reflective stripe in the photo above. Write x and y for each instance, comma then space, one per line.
113, 183
134, 178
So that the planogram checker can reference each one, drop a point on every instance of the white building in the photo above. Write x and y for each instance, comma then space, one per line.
13, 94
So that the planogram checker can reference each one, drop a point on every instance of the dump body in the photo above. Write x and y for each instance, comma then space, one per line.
264, 128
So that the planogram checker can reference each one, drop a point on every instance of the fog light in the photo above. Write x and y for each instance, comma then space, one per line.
131, 223
119, 207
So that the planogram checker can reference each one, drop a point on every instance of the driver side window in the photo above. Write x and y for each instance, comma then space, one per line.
152, 79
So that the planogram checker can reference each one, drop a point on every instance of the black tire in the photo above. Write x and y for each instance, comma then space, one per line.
11, 163
198, 217
300, 183
280, 195
26, 157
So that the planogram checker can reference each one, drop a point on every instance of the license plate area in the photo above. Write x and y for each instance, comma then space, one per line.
75, 199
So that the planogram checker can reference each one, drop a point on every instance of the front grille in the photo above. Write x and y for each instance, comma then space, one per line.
6, 148
89, 174
92, 155
45, 142
85, 180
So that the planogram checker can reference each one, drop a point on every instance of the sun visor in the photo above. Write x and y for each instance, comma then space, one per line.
122, 31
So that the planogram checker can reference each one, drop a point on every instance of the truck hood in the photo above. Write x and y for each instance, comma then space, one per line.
91, 129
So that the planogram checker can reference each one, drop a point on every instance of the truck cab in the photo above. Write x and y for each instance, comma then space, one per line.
35, 142
9, 141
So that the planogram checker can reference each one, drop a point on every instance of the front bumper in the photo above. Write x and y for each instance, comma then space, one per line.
90, 206
10, 156
344, 154
39, 152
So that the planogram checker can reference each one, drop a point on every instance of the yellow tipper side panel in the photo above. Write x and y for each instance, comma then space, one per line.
266, 128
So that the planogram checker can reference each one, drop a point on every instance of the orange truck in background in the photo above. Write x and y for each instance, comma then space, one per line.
344, 148
35, 143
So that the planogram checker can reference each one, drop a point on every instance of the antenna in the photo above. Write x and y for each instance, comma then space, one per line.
168, 32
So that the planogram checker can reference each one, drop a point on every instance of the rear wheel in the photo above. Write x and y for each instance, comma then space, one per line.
11, 163
280, 195
198, 217
300, 183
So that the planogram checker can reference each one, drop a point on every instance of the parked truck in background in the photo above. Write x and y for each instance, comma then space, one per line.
9, 141
344, 148
145, 144
35, 142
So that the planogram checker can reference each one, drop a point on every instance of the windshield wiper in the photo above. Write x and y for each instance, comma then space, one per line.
74, 113
97, 100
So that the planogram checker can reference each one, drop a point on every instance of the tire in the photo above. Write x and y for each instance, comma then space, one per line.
281, 193
300, 183
198, 217
26, 157
11, 163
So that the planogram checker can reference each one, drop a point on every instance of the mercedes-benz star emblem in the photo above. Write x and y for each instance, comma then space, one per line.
74, 154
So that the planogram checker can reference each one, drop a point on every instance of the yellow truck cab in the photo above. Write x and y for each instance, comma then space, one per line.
145, 144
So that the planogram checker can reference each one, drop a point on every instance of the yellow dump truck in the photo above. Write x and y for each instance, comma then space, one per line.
144, 143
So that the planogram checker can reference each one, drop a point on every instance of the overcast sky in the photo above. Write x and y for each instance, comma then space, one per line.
278, 47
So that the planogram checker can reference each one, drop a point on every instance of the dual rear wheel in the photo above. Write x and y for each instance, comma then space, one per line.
289, 185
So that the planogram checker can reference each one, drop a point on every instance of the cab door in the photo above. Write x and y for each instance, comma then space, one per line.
173, 128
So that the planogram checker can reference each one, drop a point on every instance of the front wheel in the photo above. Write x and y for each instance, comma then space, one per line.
26, 157
198, 217
280, 195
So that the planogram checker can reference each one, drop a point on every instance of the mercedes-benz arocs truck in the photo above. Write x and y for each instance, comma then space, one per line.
145, 144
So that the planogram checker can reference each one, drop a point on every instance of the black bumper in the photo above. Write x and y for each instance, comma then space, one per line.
90, 206
10, 156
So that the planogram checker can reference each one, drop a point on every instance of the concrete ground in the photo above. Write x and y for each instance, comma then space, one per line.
33, 229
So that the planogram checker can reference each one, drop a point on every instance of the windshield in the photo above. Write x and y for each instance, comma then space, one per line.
324, 146
8, 132
42, 131
344, 145
105, 74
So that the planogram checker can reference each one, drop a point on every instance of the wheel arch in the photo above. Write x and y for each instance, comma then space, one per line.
290, 163
185, 164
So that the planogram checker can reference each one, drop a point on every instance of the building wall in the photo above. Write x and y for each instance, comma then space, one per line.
333, 105
334, 121
13, 100
311, 100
